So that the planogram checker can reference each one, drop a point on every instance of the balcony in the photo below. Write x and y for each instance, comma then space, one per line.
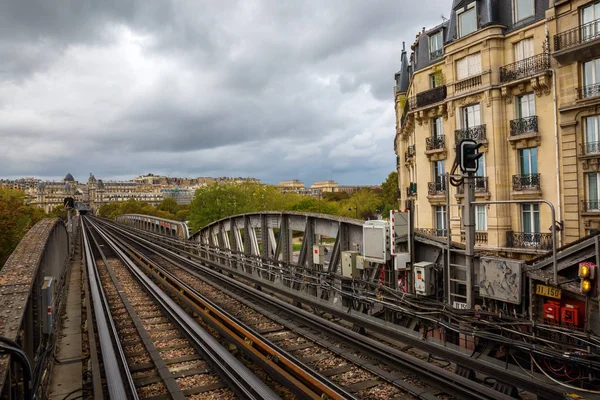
481, 186
409, 153
591, 148
411, 190
427, 98
524, 132
529, 240
526, 186
436, 188
590, 206
476, 133
466, 84
589, 91
435, 148
432, 232
577, 44
525, 68
436, 54
481, 237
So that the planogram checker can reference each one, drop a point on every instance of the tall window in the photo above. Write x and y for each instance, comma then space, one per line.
528, 161
592, 135
523, 9
525, 105
524, 49
439, 169
530, 217
437, 127
436, 45
480, 167
591, 78
471, 116
440, 220
480, 218
590, 14
468, 66
592, 191
467, 20
435, 80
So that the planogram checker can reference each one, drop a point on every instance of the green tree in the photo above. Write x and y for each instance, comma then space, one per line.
390, 193
169, 205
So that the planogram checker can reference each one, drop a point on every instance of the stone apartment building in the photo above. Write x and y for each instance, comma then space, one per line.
522, 77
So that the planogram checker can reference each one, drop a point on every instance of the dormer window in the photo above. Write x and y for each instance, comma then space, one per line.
523, 9
436, 46
467, 20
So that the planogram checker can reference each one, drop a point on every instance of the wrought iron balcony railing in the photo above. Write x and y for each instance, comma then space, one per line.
436, 53
524, 68
529, 240
526, 182
433, 232
481, 185
468, 83
573, 37
591, 205
427, 97
591, 148
476, 133
588, 91
410, 152
521, 126
437, 187
435, 142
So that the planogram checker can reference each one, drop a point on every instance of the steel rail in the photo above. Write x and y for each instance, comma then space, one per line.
241, 380
452, 383
300, 378
113, 357
543, 388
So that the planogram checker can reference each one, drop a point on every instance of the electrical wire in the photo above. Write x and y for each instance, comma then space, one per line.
561, 383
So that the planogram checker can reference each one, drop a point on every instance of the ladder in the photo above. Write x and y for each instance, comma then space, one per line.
457, 286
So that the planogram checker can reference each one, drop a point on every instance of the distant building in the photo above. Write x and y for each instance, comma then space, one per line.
325, 186
293, 184
181, 196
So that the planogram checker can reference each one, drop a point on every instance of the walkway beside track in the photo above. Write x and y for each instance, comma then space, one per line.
66, 380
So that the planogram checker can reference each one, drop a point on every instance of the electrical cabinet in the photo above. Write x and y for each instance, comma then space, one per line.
569, 315
401, 260
376, 245
552, 312
361, 262
424, 285
349, 269
318, 254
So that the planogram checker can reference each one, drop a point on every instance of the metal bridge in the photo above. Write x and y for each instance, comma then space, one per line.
274, 252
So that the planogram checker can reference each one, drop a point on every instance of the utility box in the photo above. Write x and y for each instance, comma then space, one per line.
401, 261
376, 245
349, 269
361, 263
47, 304
318, 254
424, 285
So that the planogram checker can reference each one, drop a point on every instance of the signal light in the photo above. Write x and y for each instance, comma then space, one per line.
467, 151
587, 273
586, 285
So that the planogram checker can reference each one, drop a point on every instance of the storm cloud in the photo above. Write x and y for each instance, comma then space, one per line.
264, 88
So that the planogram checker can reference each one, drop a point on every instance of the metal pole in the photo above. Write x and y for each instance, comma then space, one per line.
469, 223
447, 270
553, 213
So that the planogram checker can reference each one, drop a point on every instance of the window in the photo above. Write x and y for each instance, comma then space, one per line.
467, 21
435, 80
592, 192
471, 116
525, 106
528, 161
523, 49
523, 9
530, 217
437, 127
440, 220
480, 218
591, 78
436, 45
468, 66
439, 169
591, 135
589, 14
480, 167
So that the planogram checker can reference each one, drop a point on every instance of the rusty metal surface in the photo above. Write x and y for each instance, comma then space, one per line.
17, 278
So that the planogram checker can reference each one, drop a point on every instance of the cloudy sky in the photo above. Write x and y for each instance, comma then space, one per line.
273, 89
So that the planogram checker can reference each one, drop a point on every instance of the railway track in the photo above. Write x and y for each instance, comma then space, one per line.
155, 349
364, 367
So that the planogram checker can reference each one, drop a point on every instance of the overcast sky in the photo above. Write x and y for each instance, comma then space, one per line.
273, 89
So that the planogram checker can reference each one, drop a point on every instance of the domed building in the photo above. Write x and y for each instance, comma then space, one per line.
69, 178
